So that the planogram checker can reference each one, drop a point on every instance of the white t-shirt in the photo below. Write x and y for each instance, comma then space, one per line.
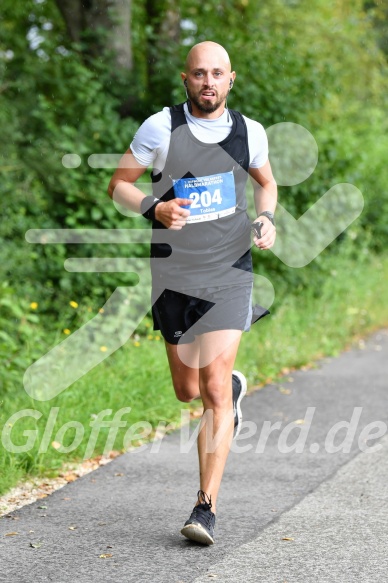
152, 140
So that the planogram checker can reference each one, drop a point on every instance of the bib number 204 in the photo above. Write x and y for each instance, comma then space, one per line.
205, 198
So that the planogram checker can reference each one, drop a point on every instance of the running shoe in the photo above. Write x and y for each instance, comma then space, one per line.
200, 526
239, 386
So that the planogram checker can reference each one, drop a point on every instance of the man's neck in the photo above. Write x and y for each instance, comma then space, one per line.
195, 112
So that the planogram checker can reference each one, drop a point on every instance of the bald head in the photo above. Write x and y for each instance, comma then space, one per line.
209, 50
208, 79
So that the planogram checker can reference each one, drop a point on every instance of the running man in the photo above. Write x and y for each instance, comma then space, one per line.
201, 155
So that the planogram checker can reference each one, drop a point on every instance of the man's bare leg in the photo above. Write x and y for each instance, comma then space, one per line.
185, 379
216, 434
213, 382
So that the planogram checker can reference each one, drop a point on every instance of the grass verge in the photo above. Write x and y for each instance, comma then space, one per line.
134, 383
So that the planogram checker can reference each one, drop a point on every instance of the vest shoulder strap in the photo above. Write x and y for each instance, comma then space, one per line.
237, 116
178, 117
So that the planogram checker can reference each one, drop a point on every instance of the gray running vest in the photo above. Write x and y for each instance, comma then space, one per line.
214, 176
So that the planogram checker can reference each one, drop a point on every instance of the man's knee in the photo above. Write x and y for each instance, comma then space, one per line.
185, 393
217, 394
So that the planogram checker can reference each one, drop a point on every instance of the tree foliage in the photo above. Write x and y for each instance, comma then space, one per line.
65, 88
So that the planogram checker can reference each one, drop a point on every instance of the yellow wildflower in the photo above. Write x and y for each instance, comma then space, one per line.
66, 331
33, 305
73, 304
136, 343
103, 348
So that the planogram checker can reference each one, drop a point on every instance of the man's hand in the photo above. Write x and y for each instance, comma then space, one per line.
268, 234
171, 214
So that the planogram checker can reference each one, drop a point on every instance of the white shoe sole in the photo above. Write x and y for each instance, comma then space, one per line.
197, 533
243, 382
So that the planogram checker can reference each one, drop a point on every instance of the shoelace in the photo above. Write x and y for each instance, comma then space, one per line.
203, 498
201, 511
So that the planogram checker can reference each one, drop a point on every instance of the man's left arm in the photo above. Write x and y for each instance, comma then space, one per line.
265, 196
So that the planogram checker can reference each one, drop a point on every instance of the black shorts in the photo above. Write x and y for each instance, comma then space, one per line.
181, 317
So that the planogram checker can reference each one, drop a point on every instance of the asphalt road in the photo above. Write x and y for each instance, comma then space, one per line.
305, 502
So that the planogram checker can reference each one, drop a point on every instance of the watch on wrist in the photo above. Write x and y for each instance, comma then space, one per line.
147, 207
269, 216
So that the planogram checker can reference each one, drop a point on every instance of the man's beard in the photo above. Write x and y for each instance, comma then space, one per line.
206, 106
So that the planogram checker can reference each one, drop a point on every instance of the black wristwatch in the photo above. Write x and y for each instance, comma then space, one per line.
269, 216
147, 207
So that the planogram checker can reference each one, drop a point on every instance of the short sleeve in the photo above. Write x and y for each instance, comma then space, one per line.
151, 141
257, 142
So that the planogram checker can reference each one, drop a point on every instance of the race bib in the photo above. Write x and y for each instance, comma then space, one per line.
213, 196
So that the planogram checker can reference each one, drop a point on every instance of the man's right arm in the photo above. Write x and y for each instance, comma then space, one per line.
122, 190
122, 187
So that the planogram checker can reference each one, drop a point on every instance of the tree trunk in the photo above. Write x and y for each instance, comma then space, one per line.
103, 26
120, 33
162, 48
